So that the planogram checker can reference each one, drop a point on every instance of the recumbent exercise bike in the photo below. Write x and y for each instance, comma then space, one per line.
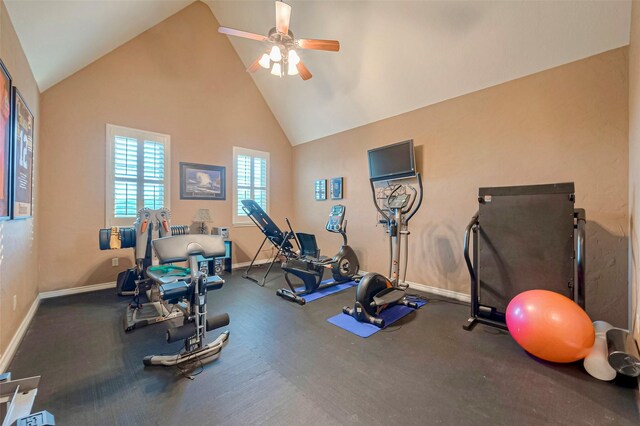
306, 264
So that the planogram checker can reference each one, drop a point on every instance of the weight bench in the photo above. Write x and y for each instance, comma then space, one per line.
191, 292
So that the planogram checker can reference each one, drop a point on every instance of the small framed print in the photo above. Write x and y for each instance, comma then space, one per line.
336, 188
321, 189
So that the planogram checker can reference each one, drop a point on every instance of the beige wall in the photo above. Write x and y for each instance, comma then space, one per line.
181, 78
634, 161
566, 124
18, 254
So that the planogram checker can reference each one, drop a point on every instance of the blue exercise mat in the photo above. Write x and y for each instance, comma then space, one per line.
326, 291
363, 329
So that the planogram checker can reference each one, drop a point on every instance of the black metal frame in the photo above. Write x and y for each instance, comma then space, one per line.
488, 315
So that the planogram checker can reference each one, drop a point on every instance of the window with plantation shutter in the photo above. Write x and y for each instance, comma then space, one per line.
137, 173
250, 181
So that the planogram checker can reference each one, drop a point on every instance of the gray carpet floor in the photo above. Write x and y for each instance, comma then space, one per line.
285, 364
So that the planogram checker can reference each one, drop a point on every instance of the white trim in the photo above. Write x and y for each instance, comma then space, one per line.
246, 221
245, 264
12, 347
77, 290
141, 135
463, 297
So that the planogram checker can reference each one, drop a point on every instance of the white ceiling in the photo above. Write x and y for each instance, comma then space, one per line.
59, 37
396, 56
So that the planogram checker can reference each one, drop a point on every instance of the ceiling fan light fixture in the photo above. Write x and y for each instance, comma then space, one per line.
265, 61
275, 55
293, 57
276, 69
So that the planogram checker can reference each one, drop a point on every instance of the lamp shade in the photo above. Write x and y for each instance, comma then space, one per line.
203, 215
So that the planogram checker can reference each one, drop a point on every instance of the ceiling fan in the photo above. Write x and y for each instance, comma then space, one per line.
282, 57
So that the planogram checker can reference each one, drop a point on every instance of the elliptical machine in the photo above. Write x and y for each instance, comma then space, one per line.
400, 202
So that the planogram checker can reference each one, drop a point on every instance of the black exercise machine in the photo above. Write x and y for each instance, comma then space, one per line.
192, 293
400, 202
524, 238
310, 266
306, 264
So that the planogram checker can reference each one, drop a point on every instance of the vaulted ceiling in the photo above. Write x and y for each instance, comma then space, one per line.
396, 56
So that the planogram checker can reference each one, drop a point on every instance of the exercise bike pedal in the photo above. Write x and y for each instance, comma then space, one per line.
387, 296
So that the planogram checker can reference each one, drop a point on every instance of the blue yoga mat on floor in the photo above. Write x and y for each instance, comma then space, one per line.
326, 291
363, 329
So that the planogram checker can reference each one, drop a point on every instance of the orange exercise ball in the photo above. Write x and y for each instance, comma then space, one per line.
550, 326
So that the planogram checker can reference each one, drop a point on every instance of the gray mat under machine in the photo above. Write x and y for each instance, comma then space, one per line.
524, 238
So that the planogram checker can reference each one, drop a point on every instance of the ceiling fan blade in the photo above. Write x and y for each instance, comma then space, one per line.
283, 15
330, 45
243, 34
255, 65
303, 71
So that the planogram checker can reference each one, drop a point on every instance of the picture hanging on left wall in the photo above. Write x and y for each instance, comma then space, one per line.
5, 142
22, 158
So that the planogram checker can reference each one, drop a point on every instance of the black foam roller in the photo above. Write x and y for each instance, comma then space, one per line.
217, 321
185, 331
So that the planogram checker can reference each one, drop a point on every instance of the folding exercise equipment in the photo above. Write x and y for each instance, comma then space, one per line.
149, 225
307, 264
193, 292
524, 238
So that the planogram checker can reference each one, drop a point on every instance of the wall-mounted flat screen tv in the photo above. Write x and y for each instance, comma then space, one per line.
392, 161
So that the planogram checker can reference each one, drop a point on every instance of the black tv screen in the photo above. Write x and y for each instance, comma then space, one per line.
392, 161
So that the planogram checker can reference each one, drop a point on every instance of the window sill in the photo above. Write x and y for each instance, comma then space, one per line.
242, 225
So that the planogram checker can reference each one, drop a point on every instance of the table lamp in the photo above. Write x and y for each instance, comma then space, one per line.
203, 216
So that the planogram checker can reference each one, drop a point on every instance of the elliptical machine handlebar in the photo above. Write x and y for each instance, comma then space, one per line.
419, 195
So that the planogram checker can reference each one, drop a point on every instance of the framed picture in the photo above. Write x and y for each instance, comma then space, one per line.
336, 188
321, 189
5, 142
202, 182
22, 158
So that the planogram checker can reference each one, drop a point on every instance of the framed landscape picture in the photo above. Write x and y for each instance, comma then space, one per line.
5, 142
202, 182
22, 158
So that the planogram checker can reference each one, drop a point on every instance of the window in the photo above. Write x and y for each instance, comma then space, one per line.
250, 181
137, 173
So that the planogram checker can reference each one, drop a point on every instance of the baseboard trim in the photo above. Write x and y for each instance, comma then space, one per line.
245, 264
76, 290
463, 297
8, 354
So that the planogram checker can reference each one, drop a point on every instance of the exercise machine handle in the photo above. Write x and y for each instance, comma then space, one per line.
474, 283
375, 202
295, 237
581, 218
415, 209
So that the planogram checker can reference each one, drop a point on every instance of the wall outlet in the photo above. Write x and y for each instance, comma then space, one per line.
115, 261
15, 301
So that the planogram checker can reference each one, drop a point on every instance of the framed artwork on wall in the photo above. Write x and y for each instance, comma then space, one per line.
5, 142
22, 158
321, 189
202, 182
336, 188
